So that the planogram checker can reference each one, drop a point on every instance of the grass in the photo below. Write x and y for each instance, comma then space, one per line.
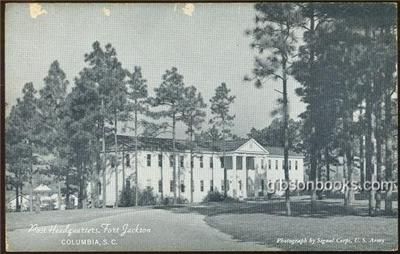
267, 229
25, 219
266, 222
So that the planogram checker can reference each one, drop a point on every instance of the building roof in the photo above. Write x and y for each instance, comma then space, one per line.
276, 150
127, 143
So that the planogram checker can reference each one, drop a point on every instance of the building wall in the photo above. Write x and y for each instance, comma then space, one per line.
150, 175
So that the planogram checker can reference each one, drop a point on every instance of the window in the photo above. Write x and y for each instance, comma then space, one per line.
228, 162
127, 160
211, 185
262, 185
112, 163
290, 164
171, 186
149, 160
201, 162
182, 161
99, 187
239, 162
262, 163
182, 186
283, 164
240, 184
211, 162
171, 161
269, 164
296, 166
192, 162
276, 164
159, 186
160, 160
250, 162
222, 161
201, 185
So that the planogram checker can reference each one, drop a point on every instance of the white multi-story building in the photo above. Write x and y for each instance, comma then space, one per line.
244, 158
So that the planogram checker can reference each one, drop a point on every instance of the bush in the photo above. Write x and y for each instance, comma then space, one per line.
182, 200
167, 201
127, 197
147, 197
214, 196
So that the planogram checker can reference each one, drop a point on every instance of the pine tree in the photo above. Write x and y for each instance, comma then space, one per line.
169, 97
51, 104
81, 126
222, 119
22, 138
137, 94
106, 72
274, 40
193, 115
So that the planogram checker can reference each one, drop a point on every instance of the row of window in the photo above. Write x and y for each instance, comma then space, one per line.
182, 185
296, 165
227, 162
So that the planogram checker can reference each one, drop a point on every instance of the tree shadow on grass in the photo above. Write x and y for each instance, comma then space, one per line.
300, 208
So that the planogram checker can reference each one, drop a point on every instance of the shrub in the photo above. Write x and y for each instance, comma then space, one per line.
182, 200
167, 201
214, 196
147, 197
127, 197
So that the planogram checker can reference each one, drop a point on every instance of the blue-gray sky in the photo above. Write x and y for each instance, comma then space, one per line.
207, 44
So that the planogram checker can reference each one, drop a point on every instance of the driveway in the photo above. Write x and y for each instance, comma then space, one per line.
139, 230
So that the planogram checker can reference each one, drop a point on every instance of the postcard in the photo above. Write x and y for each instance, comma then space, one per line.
264, 126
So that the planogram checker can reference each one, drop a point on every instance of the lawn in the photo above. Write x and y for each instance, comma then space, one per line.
335, 231
25, 219
332, 227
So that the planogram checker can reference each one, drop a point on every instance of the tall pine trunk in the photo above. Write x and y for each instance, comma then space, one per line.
285, 138
175, 162
388, 151
313, 145
80, 193
116, 158
136, 158
327, 160
104, 157
31, 178
369, 147
224, 166
347, 122
123, 170
59, 193
313, 171
162, 180
361, 155
191, 162
68, 191
378, 139
212, 169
